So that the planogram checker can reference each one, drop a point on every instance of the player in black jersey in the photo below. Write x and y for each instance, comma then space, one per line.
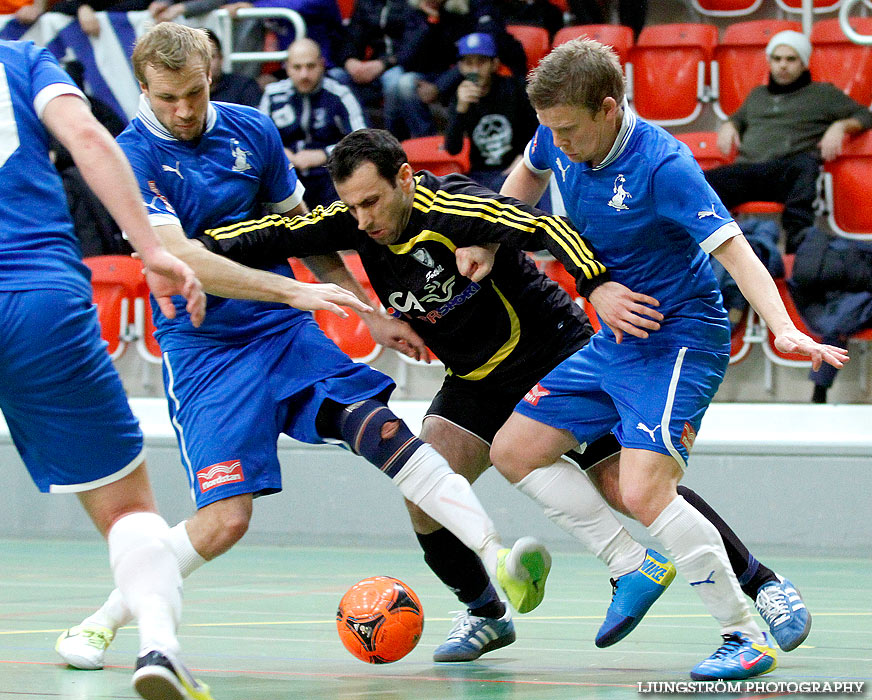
497, 337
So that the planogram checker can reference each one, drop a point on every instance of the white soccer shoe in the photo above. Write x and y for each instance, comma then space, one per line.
84, 646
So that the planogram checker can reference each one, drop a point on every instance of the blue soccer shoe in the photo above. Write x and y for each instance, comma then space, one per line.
472, 636
780, 604
632, 595
737, 658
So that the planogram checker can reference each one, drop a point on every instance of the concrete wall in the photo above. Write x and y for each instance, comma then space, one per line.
784, 476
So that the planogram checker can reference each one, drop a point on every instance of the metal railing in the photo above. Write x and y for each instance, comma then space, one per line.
225, 31
845, 23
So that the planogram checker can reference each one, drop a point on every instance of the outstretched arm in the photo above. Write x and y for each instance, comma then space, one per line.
108, 174
757, 286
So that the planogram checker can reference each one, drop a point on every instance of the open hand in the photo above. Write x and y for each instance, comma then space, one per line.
625, 311
167, 276
798, 342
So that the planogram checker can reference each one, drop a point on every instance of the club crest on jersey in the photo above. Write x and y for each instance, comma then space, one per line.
152, 185
562, 170
688, 435
536, 393
240, 157
620, 194
423, 257
220, 474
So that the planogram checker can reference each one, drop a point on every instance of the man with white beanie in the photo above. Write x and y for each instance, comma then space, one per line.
783, 131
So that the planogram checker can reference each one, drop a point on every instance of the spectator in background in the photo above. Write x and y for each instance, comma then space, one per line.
370, 52
230, 87
536, 13
492, 110
312, 112
783, 131
831, 285
426, 55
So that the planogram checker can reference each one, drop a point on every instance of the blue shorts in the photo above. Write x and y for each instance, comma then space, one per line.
61, 396
229, 404
652, 398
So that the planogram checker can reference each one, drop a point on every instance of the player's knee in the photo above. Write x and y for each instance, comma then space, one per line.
642, 503
220, 531
508, 461
389, 429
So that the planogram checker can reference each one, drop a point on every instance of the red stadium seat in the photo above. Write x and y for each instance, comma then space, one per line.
591, 313
818, 6
535, 41
116, 281
787, 359
742, 336
301, 272
147, 346
726, 8
835, 59
346, 8
351, 334
681, 51
555, 270
619, 37
759, 208
428, 153
562, 5
740, 61
704, 146
846, 189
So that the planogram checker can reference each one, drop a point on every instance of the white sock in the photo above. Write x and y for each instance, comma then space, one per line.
114, 613
147, 574
570, 499
697, 550
428, 482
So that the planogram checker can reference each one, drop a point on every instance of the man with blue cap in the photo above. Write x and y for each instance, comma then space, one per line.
491, 109
783, 131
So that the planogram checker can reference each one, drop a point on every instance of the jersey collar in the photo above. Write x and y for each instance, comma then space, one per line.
146, 116
628, 124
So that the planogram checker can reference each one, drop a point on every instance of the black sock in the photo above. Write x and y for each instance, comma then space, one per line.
459, 568
750, 572
819, 395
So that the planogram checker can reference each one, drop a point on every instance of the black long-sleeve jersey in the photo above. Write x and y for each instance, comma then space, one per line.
513, 317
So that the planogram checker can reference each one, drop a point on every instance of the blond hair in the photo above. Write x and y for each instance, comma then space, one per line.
171, 46
579, 73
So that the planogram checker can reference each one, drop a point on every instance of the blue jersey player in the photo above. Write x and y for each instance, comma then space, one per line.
59, 393
259, 366
641, 200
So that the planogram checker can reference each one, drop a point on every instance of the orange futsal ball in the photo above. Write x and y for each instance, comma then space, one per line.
380, 619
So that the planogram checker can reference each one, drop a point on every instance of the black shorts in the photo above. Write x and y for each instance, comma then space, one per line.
481, 407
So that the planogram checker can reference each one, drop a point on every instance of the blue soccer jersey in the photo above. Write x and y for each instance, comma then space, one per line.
231, 173
38, 247
653, 219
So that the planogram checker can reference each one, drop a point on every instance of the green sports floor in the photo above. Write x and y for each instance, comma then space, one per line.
259, 625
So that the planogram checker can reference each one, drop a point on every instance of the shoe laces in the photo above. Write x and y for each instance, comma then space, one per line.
462, 626
732, 643
96, 638
773, 607
614, 583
